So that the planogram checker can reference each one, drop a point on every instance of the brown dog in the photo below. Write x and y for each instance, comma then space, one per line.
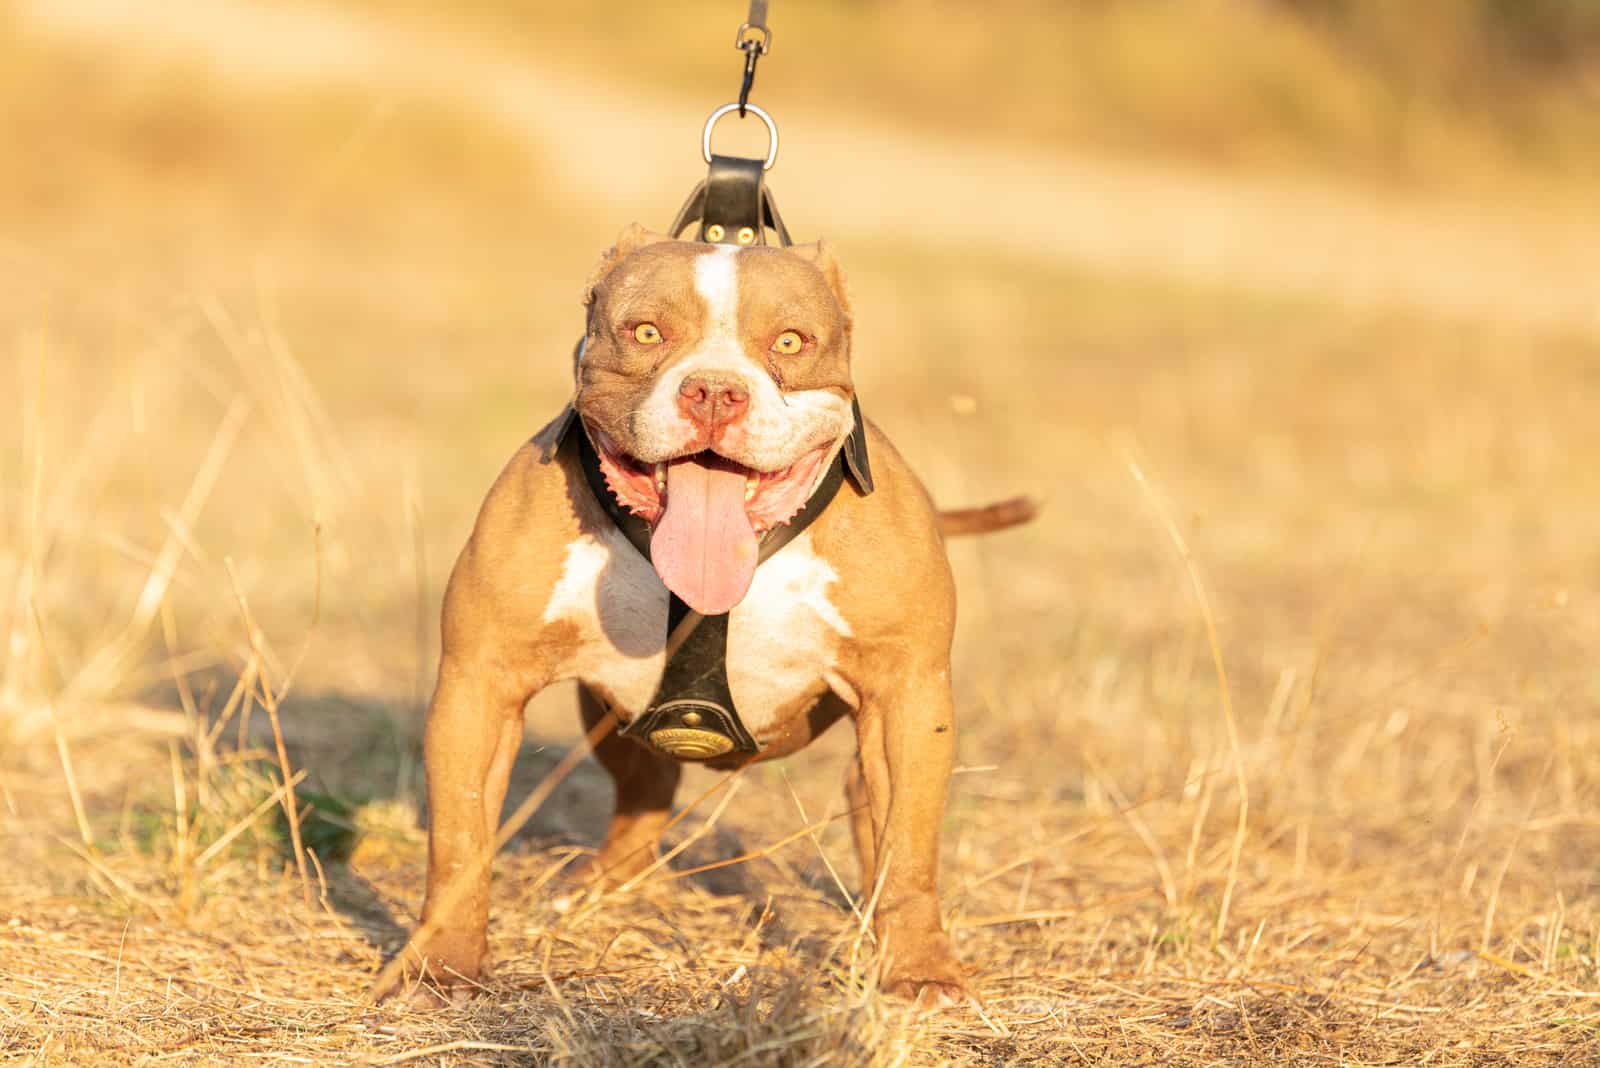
713, 389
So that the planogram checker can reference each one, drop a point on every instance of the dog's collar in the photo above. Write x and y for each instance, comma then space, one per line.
692, 716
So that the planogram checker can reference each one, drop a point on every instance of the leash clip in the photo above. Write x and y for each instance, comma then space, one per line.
754, 39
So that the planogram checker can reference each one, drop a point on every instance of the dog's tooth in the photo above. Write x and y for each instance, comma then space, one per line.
661, 477
750, 484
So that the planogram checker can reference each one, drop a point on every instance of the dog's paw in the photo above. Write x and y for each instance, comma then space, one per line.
424, 996
612, 866
434, 976
932, 980
931, 993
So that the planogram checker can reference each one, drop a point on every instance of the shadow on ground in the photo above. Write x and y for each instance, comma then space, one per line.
364, 757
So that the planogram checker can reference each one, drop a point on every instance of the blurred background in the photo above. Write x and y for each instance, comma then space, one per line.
1303, 250
285, 284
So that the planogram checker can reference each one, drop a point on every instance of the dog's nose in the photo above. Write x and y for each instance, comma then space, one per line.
712, 401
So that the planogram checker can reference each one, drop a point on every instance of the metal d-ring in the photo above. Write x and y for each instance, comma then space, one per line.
772, 132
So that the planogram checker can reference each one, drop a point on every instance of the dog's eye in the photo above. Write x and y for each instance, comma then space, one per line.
647, 334
788, 343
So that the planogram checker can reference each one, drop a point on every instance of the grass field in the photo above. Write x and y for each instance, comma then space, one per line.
282, 293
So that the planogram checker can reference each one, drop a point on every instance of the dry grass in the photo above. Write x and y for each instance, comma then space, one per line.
264, 348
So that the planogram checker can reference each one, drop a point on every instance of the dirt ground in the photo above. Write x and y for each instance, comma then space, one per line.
1278, 727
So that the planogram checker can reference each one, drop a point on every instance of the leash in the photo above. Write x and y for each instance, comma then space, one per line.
692, 716
754, 39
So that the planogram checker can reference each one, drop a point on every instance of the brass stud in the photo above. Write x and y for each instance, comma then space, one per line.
691, 719
686, 744
715, 232
747, 235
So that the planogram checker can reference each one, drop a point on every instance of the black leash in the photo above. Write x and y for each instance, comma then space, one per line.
754, 40
692, 716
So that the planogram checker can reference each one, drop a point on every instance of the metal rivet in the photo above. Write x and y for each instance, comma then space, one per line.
715, 232
746, 235
692, 719
686, 744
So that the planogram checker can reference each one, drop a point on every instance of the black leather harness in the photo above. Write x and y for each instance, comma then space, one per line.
692, 716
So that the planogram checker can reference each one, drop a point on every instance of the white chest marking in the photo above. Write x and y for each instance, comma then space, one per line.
620, 607
781, 637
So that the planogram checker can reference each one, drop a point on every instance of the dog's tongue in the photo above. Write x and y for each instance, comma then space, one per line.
703, 547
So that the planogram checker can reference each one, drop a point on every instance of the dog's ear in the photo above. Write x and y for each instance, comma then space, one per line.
634, 238
820, 255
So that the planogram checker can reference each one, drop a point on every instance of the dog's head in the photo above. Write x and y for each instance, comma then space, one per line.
715, 385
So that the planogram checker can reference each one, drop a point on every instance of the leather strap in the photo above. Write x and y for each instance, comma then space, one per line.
733, 201
855, 452
733, 196
636, 530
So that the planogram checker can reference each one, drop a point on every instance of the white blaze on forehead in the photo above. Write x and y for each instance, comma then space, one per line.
716, 279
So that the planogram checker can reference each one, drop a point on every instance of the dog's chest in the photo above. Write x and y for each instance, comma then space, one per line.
781, 638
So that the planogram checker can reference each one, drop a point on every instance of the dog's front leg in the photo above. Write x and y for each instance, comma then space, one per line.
906, 737
473, 732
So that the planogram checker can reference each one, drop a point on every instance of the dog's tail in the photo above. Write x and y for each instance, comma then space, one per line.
991, 517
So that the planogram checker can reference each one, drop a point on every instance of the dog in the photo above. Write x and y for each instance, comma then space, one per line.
713, 394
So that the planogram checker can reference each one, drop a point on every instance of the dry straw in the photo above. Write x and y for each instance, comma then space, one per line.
1225, 694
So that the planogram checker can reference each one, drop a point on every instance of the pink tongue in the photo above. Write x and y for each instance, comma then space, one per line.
703, 548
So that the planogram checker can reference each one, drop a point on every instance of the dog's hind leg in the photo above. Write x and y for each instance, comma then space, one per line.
861, 832
645, 784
